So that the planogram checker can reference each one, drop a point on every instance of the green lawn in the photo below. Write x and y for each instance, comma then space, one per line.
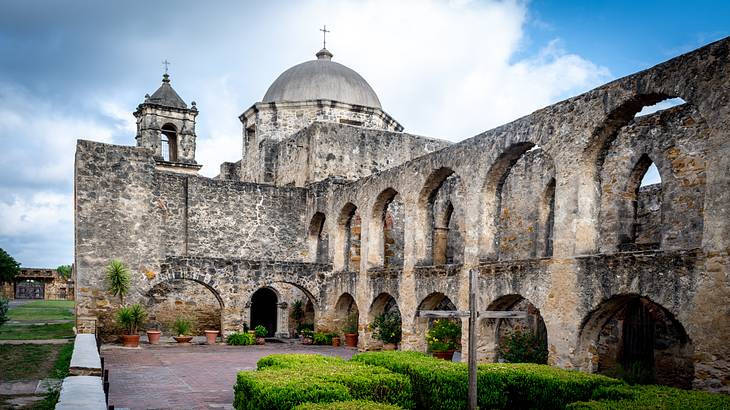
36, 332
27, 361
41, 310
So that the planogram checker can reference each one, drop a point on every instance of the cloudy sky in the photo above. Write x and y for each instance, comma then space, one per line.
448, 69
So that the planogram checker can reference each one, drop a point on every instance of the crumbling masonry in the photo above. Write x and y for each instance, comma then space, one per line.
334, 205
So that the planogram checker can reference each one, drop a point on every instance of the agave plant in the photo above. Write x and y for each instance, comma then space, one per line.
131, 317
118, 279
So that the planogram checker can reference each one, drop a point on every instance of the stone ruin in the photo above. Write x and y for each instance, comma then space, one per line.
332, 204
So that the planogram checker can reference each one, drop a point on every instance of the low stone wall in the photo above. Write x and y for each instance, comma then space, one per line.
84, 388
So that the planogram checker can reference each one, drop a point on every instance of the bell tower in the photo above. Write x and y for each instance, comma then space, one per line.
166, 126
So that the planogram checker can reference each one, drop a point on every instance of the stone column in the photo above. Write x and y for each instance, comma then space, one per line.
440, 243
282, 321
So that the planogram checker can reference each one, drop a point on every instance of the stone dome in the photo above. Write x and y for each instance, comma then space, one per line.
322, 79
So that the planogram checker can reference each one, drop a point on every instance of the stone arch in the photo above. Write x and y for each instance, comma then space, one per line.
433, 301
346, 310
349, 225
387, 230
630, 329
193, 299
631, 235
440, 221
318, 238
494, 331
382, 303
514, 222
169, 142
264, 309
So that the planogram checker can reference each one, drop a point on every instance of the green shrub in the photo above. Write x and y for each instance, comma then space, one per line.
182, 327
240, 339
651, 397
347, 405
523, 347
284, 381
387, 327
3, 310
323, 338
351, 324
439, 384
636, 373
261, 331
443, 336
305, 326
118, 279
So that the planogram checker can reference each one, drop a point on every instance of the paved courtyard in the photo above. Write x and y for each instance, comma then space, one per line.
187, 377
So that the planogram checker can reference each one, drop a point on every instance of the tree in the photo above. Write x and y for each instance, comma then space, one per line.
9, 267
64, 271
118, 277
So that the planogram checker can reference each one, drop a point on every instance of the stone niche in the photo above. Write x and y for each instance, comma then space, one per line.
168, 301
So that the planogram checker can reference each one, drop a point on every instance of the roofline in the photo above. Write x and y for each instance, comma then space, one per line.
379, 112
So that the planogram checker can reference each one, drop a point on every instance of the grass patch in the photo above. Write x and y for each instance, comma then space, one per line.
27, 361
41, 310
63, 362
36, 332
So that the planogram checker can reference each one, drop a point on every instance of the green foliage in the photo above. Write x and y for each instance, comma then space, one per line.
443, 336
636, 373
438, 384
624, 397
65, 271
131, 317
351, 324
297, 311
305, 326
9, 267
3, 310
261, 331
240, 339
523, 347
284, 381
118, 279
347, 405
324, 337
63, 362
387, 327
182, 326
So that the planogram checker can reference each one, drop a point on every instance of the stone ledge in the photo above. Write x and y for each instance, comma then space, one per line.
82, 392
85, 360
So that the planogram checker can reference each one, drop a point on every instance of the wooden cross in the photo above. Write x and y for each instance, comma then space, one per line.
166, 64
486, 314
324, 35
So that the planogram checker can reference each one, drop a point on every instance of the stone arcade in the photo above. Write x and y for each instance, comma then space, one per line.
332, 204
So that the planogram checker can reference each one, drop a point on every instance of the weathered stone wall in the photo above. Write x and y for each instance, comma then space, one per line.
168, 301
326, 149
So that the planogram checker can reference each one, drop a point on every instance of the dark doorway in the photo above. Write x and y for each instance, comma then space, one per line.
263, 310
29, 289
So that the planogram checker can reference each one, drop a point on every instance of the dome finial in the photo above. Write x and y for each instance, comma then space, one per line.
324, 54
165, 77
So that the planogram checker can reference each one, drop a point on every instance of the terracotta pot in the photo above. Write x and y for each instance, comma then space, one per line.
154, 336
130, 340
183, 339
389, 346
351, 339
336, 341
260, 341
211, 336
447, 355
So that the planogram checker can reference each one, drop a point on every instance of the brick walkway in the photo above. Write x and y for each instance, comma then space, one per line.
187, 377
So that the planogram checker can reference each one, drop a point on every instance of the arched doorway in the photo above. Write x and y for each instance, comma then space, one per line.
434, 301
264, 305
632, 337
527, 336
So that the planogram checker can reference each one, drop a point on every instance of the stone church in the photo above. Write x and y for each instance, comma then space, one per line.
334, 209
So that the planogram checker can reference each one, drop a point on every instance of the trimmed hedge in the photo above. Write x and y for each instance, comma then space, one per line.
284, 381
438, 384
651, 397
347, 405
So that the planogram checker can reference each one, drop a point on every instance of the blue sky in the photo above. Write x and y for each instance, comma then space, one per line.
77, 69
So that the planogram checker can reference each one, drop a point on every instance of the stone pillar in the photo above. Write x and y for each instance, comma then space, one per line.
282, 321
440, 243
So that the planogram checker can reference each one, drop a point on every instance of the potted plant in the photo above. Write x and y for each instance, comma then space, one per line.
211, 336
336, 341
350, 330
307, 336
387, 328
153, 336
443, 338
182, 329
130, 318
261, 333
